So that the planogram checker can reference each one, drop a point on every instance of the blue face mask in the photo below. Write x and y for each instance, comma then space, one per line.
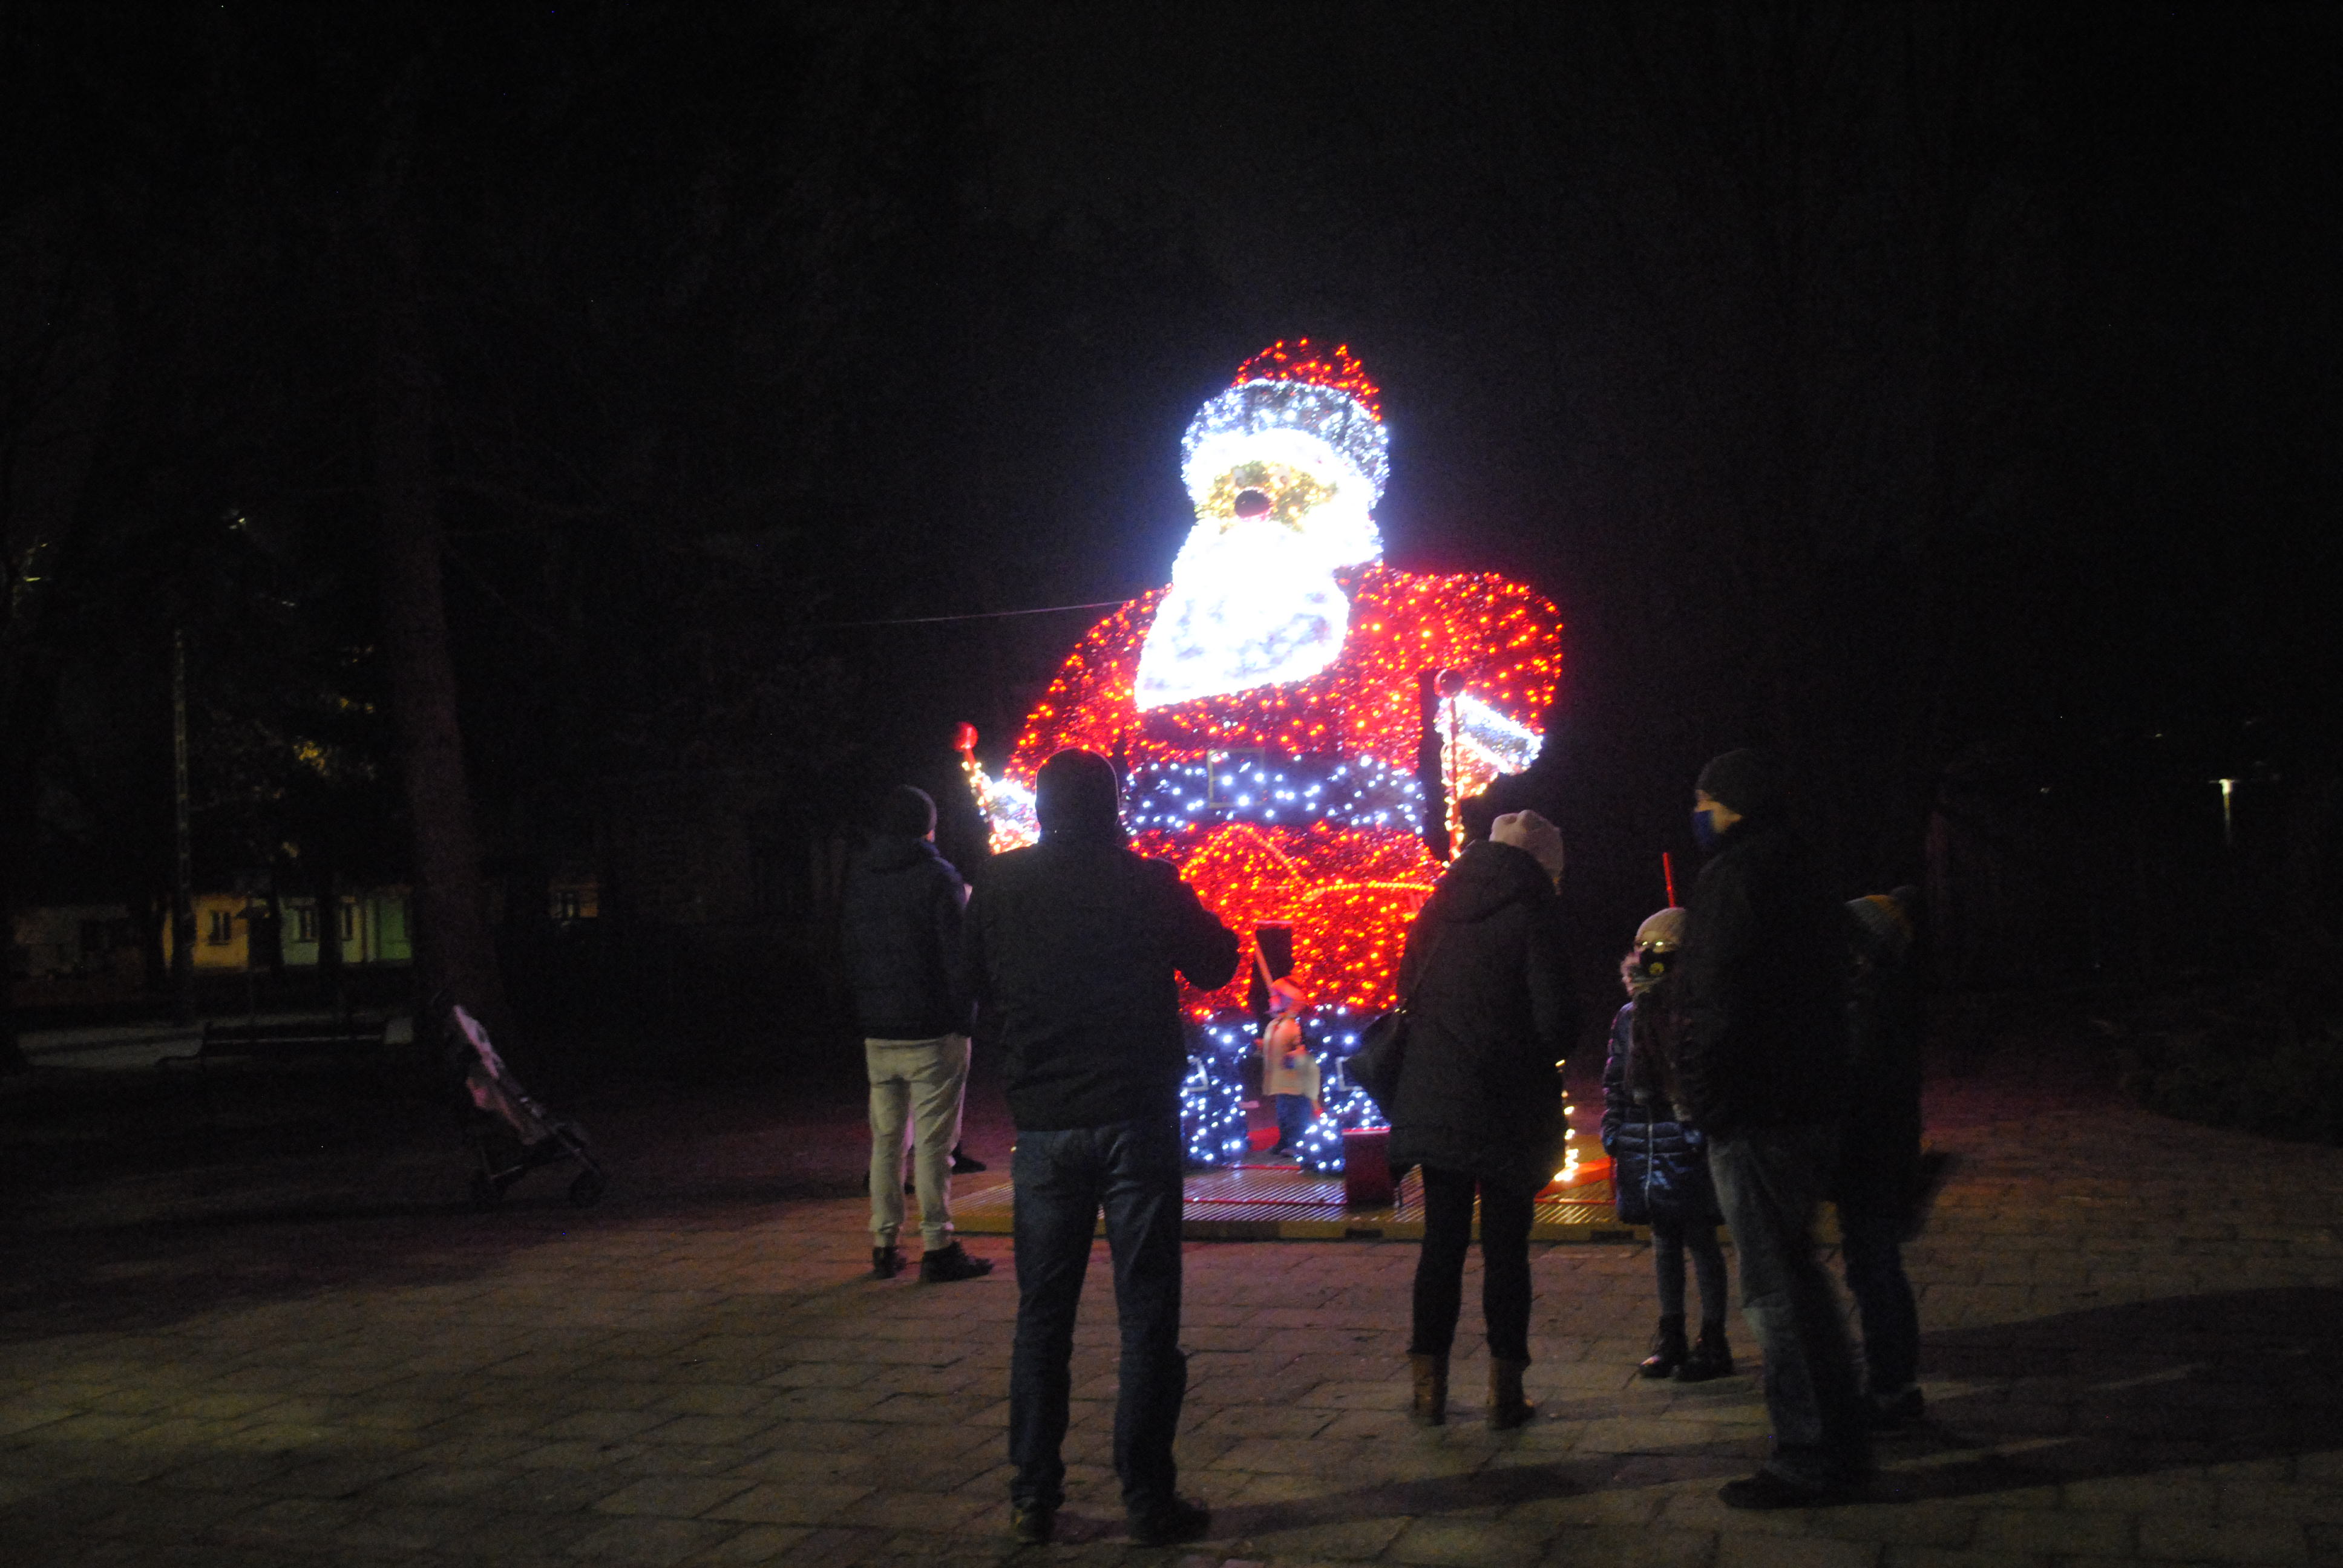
1705, 833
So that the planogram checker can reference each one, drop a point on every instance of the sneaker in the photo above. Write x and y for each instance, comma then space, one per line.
1175, 1524
1030, 1524
967, 1164
1768, 1490
886, 1261
942, 1265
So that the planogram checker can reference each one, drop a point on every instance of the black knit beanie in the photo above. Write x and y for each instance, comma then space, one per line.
1748, 781
908, 810
1075, 795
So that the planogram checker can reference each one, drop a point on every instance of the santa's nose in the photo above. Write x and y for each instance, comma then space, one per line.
1252, 503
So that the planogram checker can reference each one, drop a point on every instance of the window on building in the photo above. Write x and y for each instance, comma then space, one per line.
568, 904
304, 923
223, 928
349, 922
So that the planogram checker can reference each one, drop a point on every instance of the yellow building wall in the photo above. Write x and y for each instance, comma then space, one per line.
223, 934
374, 930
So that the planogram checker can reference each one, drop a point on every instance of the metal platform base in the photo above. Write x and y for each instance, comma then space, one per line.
1282, 1203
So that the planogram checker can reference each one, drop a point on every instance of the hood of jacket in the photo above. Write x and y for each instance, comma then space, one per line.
1486, 877
894, 852
1755, 838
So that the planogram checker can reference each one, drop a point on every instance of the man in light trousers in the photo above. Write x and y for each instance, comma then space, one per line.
903, 928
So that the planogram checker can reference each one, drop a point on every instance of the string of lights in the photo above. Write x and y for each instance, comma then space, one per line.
1258, 787
1211, 1108
1267, 709
1212, 1098
1365, 704
1346, 865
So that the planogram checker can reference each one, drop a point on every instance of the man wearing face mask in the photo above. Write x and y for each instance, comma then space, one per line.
1763, 1072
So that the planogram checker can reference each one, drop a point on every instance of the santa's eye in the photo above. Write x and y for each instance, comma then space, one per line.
1251, 503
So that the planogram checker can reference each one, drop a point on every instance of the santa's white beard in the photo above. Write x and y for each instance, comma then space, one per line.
1255, 605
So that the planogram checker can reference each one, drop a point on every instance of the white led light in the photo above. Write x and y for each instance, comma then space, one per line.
1305, 425
1506, 744
1253, 600
1007, 806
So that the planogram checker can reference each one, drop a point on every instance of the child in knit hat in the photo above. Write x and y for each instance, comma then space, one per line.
1659, 1169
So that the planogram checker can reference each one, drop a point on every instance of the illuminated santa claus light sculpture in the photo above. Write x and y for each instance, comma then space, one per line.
1266, 704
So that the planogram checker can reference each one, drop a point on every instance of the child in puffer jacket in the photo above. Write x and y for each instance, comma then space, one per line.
1659, 1170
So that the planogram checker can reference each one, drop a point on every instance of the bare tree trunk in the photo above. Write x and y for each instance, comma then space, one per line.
326, 889
15, 846
455, 952
183, 881
59, 349
27, 704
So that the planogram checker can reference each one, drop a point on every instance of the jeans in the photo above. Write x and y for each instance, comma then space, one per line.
1870, 1230
1062, 1178
1293, 1119
1769, 1182
915, 1088
1505, 1266
1671, 1240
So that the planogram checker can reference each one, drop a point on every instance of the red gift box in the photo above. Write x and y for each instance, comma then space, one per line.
1366, 1165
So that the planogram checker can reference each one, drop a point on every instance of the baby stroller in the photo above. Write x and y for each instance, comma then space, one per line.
512, 1134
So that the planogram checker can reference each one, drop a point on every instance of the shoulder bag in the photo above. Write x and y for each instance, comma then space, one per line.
1382, 1046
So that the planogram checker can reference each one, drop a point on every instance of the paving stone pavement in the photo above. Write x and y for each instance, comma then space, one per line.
2130, 1328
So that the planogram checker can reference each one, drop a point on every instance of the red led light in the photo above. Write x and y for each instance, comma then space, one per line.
1350, 891
1337, 367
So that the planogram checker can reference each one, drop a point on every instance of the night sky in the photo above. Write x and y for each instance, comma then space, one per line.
1944, 395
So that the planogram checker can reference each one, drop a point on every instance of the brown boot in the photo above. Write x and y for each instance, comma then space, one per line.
1430, 1406
1507, 1408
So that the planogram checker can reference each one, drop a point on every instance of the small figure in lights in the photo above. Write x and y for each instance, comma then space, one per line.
1289, 1073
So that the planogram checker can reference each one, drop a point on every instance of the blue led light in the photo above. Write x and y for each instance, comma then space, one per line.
1213, 1125
1251, 786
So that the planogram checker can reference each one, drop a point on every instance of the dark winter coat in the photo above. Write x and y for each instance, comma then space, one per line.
1659, 1166
1762, 989
903, 943
1072, 945
1879, 1148
1492, 1018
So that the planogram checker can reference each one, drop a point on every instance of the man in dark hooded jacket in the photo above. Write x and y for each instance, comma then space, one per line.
1073, 945
904, 954
1763, 1068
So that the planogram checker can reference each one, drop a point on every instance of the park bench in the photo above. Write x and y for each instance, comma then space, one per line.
353, 1055
290, 1041
285, 1041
